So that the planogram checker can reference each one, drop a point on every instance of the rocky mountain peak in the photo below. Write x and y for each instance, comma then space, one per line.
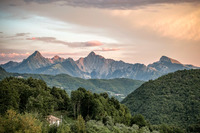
70, 59
94, 56
56, 57
36, 55
169, 60
91, 54
32, 63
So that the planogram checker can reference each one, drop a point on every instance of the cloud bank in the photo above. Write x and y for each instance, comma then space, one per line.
70, 44
21, 34
5, 57
115, 4
107, 49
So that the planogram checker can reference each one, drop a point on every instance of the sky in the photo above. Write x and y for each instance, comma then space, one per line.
135, 31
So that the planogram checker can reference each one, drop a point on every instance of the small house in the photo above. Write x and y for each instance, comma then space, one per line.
53, 120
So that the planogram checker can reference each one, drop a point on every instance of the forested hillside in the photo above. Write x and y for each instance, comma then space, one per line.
25, 103
172, 99
118, 88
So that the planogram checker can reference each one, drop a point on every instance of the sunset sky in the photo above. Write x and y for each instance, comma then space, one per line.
135, 31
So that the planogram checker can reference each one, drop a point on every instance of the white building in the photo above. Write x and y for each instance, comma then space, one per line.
53, 120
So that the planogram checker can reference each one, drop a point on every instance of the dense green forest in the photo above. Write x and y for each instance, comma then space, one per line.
25, 103
112, 86
172, 99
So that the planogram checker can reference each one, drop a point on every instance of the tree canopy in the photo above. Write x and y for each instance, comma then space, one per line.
31, 95
31, 100
171, 99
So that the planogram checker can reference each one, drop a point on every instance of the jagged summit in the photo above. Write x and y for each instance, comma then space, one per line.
36, 53
92, 53
70, 59
170, 60
56, 57
35, 56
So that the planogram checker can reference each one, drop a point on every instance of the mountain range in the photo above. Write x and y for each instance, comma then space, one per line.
95, 67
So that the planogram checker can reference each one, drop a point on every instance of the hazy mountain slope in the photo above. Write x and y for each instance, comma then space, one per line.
3, 73
52, 69
64, 81
167, 65
10, 66
67, 66
172, 99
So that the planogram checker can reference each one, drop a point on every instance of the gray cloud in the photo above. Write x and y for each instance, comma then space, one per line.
70, 44
17, 35
21, 34
12, 5
115, 4
43, 1
107, 49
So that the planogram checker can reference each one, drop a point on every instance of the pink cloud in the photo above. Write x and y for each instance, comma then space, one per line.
70, 44
107, 49
2, 55
94, 43
13, 55
44, 39
5, 57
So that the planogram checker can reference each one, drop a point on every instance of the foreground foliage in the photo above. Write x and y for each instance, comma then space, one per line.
25, 103
27, 123
13, 122
31, 95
